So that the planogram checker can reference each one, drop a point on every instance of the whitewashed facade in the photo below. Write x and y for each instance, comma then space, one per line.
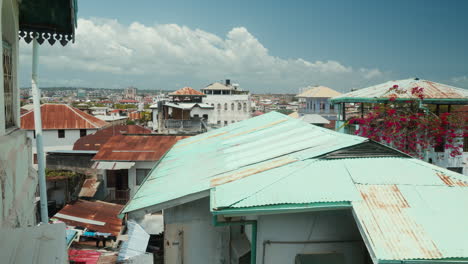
230, 104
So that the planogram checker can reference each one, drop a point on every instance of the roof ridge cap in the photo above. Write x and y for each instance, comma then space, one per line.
87, 120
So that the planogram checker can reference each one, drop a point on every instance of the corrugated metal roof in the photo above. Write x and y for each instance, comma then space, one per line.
97, 211
96, 140
42, 244
314, 119
191, 165
414, 222
296, 183
136, 147
432, 91
136, 243
61, 116
187, 91
318, 92
188, 106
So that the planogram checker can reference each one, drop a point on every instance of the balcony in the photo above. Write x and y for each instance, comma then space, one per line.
184, 126
118, 196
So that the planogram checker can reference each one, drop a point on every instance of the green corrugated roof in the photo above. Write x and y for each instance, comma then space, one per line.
248, 147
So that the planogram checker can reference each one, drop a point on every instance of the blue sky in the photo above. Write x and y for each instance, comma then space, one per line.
373, 41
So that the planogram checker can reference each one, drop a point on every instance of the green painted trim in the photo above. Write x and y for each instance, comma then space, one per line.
383, 100
283, 208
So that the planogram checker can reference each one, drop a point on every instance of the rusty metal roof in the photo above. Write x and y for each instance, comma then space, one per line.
96, 140
136, 147
97, 211
89, 188
401, 222
433, 92
187, 91
61, 116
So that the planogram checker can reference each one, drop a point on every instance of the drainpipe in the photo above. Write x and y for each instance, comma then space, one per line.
253, 243
38, 127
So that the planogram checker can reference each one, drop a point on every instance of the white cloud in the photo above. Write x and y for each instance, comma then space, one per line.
167, 56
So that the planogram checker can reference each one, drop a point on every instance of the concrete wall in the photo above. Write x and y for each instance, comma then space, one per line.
53, 142
228, 115
18, 181
318, 226
190, 237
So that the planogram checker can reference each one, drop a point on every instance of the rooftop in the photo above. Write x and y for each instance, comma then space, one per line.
188, 91
433, 92
318, 92
218, 86
61, 116
96, 140
400, 203
99, 216
136, 147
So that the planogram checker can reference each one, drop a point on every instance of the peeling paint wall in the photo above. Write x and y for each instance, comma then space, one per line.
313, 226
18, 181
190, 237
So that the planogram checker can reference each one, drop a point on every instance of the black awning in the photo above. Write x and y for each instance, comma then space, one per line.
51, 20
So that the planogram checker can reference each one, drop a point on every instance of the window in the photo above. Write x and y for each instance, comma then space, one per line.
332, 107
225, 123
225, 106
141, 175
8, 85
34, 133
219, 122
35, 158
232, 106
245, 107
239, 106
82, 132
322, 106
61, 133
233, 121
219, 107
205, 117
465, 144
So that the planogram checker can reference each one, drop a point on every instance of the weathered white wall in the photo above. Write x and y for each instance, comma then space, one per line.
322, 226
190, 237
18, 181
53, 142
229, 114
132, 174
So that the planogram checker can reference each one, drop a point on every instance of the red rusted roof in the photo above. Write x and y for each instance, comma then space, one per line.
61, 116
96, 140
96, 211
136, 148
187, 91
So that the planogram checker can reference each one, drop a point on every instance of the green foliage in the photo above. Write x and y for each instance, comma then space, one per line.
124, 106
130, 122
284, 111
60, 173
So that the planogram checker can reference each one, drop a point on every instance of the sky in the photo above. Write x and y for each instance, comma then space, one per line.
267, 46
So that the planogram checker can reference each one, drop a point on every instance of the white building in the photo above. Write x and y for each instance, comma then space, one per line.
130, 93
62, 125
230, 103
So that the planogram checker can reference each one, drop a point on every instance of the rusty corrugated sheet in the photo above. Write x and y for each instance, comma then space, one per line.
187, 91
96, 211
89, 188
136, 148
432, 90
61, 116
96, 140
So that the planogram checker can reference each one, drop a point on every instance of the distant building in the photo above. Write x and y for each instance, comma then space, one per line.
130, 93
62, 125
230, 103
316, 100
81, 93
183, 114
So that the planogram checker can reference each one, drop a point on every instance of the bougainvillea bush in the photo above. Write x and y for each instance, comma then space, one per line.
411, 127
